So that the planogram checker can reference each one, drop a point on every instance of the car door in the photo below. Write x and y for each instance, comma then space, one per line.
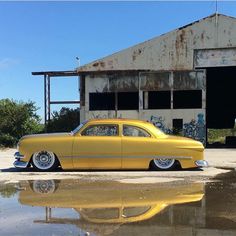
137, 147
98, 147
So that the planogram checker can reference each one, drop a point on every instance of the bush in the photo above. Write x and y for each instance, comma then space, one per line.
64, 121
16, 120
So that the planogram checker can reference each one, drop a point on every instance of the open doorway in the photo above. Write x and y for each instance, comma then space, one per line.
221, 107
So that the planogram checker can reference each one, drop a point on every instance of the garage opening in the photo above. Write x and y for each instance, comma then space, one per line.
221, 107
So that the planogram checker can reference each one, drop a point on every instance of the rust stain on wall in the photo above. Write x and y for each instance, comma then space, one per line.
155, 81
136, 53
123, 84
101, 64
187, 80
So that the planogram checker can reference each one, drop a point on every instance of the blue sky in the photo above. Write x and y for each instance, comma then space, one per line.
41, 36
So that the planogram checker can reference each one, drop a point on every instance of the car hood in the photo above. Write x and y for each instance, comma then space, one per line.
47, 135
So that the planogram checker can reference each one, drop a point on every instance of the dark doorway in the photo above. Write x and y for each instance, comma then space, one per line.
220, 103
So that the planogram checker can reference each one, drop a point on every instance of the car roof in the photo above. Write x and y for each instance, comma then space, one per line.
118, 120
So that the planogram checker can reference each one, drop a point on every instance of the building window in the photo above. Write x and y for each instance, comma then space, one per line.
128, 101
101, 101
158, 100
187, 99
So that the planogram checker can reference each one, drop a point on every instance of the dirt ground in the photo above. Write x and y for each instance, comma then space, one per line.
220, 161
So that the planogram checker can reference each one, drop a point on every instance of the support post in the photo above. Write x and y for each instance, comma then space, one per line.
49, 99
45, 101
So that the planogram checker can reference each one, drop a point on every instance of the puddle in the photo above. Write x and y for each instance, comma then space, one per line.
82, 207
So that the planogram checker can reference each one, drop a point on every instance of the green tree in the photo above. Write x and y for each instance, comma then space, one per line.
17, 119
64, 121
7, 191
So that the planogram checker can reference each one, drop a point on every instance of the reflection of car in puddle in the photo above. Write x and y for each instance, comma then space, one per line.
109, 202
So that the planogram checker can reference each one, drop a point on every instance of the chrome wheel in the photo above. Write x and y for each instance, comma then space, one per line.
164, 164
44, 160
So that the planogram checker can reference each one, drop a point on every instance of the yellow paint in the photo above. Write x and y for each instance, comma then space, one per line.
75, 151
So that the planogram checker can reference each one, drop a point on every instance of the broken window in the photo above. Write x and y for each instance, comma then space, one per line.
187, 99
128, 101
101, 101
158, 100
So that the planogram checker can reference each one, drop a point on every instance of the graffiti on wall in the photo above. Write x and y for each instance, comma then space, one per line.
159, 122
195, 129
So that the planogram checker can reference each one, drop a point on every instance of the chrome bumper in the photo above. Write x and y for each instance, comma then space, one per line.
201, 163
18, 162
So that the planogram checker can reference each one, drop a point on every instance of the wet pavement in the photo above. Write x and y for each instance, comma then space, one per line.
95, 207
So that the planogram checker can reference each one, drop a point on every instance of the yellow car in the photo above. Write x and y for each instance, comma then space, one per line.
109, 144
114, 202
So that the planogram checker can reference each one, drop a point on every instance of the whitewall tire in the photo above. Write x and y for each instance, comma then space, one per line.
44, 161
163, 164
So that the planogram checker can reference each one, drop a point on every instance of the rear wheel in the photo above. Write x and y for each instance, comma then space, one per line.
163, 164
44, 161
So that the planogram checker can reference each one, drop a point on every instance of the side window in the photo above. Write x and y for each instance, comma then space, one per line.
133, 131
101, 130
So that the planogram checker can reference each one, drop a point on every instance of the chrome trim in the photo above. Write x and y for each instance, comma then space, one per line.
17, 155
138, 156
20, 164
173, 157
201, 163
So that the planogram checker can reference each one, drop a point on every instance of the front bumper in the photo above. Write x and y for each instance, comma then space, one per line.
201, 163
18, 162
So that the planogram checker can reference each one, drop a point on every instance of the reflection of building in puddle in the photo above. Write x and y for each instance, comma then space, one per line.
104, 206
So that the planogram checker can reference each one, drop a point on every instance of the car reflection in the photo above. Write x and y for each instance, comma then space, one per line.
107, 202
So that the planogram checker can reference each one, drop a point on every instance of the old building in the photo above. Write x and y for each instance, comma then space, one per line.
184, 80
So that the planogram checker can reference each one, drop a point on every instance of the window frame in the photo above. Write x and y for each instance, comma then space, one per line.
135, 126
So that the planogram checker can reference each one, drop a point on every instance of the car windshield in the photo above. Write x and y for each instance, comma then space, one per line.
78, 128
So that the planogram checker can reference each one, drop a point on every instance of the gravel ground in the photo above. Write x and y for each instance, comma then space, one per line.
220, 161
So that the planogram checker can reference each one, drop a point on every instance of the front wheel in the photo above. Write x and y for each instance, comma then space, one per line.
44, 161
163, 164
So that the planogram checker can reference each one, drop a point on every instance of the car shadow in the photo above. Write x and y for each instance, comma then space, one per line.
13, 169
30, 169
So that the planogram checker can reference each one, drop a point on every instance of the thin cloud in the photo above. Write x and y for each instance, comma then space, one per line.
7, 62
